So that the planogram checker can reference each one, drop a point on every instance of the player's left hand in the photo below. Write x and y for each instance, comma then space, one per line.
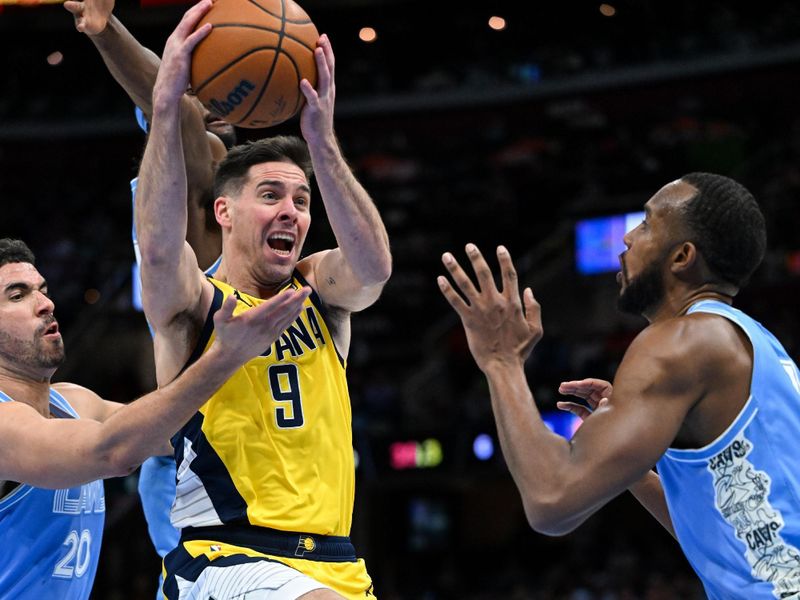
596, 392
316, 118
499, 329
173, 74
91, 16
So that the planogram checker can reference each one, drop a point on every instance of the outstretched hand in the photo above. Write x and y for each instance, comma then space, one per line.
499, 329
251, 332
596, 392
316, 118
91, 16
173, 74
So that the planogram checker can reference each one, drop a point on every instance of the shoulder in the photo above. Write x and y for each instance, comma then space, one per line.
85, 402
686, 350
307, 267
705, 334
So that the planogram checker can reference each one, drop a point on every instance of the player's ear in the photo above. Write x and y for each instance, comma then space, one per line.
684, 258
223, 207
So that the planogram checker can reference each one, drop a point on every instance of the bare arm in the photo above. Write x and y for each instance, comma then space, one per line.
562, 483
351, 276
647, 490
135, 69
171, 280
56, 453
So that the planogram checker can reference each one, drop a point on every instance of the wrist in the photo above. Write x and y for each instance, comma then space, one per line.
503, 367
324, 148
109, 30
221, 359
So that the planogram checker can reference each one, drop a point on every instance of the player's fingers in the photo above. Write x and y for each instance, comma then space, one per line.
312, 98
456, 301
572, 388
284, 307
225, 311
481, 268
581, 388
192, 17
289, 312
198, 36
323, 70
76, 8
459, 276
533, 310
330, 59
509, 275
574, 408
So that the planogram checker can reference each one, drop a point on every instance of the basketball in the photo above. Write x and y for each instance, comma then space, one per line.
248, 70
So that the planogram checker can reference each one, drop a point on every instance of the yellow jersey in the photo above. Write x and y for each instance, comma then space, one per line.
273, 446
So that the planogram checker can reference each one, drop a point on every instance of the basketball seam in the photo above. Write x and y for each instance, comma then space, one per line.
297, 73
269, 12
262, 28
274, 63
230, 64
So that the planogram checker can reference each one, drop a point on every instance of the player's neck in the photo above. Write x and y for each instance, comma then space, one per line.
22, 388
675, 305
245, 281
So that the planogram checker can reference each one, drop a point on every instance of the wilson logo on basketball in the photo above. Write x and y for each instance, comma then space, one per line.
225, 107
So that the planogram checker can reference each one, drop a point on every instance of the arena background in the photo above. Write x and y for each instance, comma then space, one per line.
461, 133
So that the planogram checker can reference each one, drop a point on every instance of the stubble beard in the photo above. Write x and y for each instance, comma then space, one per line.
37, 353
643, 293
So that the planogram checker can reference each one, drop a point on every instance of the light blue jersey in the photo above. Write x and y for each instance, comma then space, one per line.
51, 538
735, 503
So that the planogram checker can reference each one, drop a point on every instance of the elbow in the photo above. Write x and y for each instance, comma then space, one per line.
152, 254
383, 270
548, 516
120, 462
376, 274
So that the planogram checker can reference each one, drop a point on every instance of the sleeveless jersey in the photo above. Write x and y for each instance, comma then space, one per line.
734, 503
273, 447
51, 538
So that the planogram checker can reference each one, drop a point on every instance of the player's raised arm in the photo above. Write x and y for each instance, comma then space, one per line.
171, 281
135, 69
563, 482
68, 452
132, 65
351, 276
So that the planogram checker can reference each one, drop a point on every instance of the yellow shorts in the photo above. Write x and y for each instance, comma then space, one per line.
306, 553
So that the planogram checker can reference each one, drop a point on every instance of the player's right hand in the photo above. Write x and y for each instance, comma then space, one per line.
91, 16
173, 74
596, 392
249, 333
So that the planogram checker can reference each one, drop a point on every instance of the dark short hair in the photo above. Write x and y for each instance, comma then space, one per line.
232, 171
726, 225
15, 251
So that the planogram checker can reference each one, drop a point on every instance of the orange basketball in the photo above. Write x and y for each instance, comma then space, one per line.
248, 69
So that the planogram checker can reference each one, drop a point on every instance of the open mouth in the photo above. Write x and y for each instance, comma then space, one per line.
52, 329
281, 243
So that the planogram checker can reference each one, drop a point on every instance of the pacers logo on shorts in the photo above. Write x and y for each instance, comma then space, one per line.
306, 544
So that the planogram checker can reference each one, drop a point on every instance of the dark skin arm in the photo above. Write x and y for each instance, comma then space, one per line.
135, 68
663, 376
647, 490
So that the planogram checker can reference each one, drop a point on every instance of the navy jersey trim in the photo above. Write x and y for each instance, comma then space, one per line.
208, 328
323, 311
285, 544
179, 563
208, 466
